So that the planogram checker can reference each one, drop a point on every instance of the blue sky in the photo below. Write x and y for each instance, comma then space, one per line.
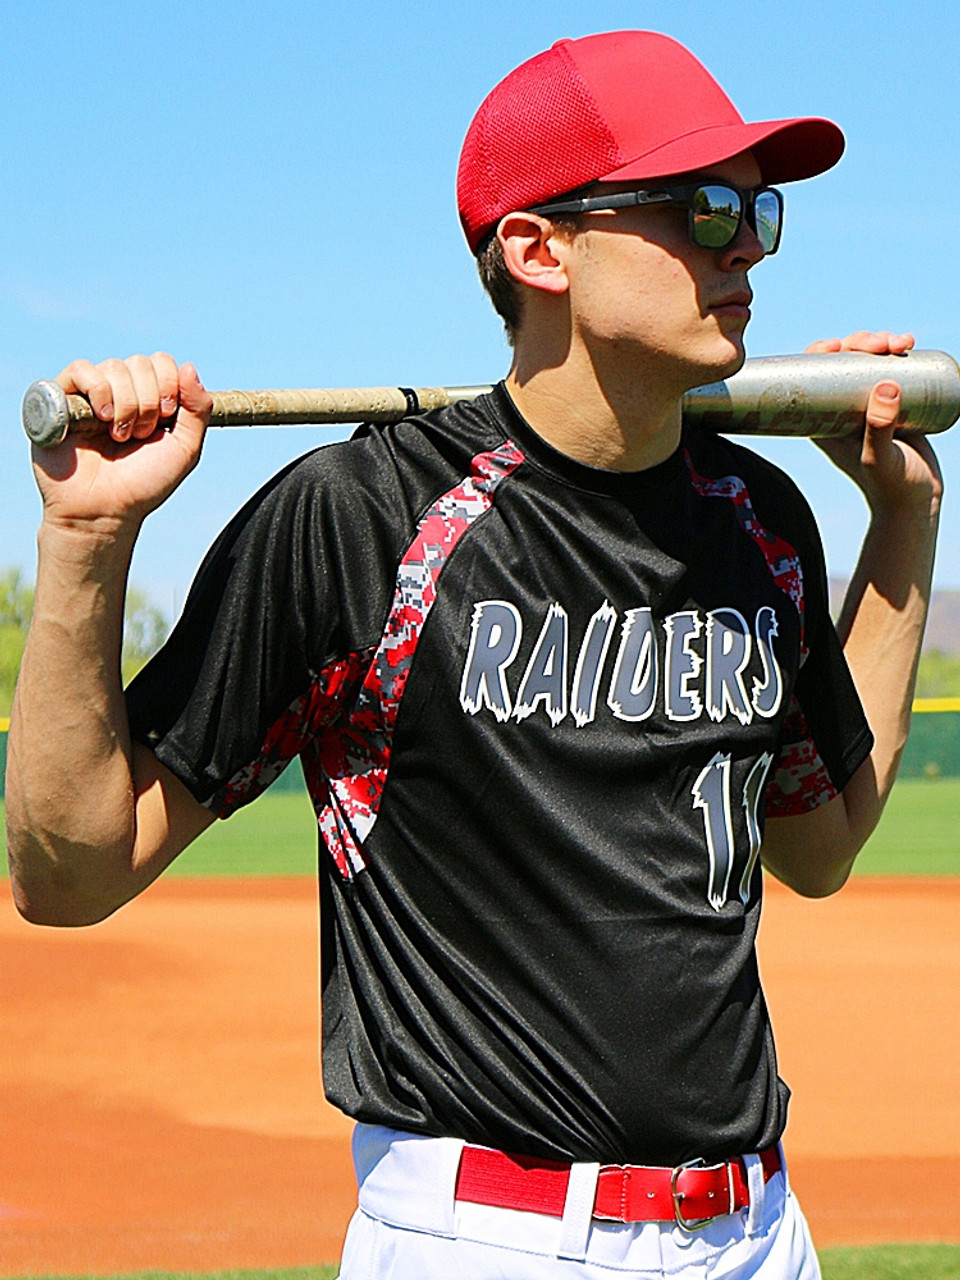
268, 190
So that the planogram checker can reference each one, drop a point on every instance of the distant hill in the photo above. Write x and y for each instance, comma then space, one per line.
943, 624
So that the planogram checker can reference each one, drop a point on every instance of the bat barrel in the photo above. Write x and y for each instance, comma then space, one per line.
826, 395
811, 395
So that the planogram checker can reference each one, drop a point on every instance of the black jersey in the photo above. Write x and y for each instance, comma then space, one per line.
542, 711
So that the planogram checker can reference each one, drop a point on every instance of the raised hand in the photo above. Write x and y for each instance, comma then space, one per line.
157, 414
895, 474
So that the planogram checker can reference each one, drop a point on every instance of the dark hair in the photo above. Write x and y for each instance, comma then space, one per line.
503, 290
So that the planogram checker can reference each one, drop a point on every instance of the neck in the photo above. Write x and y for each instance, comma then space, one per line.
602, 416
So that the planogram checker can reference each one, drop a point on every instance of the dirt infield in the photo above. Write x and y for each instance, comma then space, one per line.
160, 1106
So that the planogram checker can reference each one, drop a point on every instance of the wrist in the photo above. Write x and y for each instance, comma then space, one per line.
97, 548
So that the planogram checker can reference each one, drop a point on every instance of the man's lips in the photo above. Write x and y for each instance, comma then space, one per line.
736, 305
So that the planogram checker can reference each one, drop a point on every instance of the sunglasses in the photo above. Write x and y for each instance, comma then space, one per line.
715, 209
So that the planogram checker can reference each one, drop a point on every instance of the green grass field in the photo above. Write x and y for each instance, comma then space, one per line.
277, 835
887, 1262
919, 833
892, 1262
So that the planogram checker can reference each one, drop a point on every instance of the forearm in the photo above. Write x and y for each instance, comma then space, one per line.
881, 626
69, 791
92, 818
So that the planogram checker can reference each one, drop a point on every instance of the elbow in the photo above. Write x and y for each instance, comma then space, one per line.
810, 873
820, 885
46, 905
59, 914
48, 890
813, 853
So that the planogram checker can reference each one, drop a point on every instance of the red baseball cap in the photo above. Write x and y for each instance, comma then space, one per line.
611, 107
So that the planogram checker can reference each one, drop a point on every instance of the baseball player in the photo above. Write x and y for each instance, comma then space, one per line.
562, 677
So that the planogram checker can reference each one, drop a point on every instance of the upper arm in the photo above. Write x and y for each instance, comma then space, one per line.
808, 851
166, 819
818, 810
167, 816
82, 879
813, 852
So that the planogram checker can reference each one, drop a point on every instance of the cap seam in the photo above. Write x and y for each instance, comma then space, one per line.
691, 133
599, 117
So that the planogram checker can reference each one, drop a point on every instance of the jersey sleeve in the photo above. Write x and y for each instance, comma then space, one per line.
825, 736
270, 643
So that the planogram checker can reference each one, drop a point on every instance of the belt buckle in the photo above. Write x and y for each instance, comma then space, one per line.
676, 1195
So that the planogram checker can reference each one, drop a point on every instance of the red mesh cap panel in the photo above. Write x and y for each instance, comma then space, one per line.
537, 134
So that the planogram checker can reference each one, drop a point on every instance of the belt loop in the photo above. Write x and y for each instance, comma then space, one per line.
441, 1187
756, 1185
783, 1168
578, 1211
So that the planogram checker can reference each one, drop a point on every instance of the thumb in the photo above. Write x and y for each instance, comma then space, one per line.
883, 407
196, 403
194, 397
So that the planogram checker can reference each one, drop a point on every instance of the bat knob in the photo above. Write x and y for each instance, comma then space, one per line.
44, 413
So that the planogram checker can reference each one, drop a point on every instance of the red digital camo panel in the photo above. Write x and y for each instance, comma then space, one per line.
800, 780
782, 559
353, 756
303, 721
343, 725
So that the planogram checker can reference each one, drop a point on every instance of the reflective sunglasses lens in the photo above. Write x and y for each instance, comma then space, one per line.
767, 214
715, 215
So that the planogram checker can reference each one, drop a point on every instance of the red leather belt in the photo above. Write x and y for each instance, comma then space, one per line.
692, 1194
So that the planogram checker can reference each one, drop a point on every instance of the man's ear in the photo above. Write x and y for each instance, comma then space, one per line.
533, 252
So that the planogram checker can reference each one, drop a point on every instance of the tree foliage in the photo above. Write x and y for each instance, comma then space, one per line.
16, 600
16, 606
144, 631
11, 651
939, 675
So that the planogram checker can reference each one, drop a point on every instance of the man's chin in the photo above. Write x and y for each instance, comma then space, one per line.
720, 369
735, 363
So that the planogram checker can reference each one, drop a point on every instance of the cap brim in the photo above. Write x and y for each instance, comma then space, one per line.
786, 150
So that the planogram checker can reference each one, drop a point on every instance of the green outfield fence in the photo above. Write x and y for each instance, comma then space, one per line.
932, 752
933, 749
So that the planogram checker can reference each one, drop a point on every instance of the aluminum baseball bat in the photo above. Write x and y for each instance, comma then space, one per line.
806, 395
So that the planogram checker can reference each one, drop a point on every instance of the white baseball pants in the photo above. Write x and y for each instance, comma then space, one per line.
409, 1227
